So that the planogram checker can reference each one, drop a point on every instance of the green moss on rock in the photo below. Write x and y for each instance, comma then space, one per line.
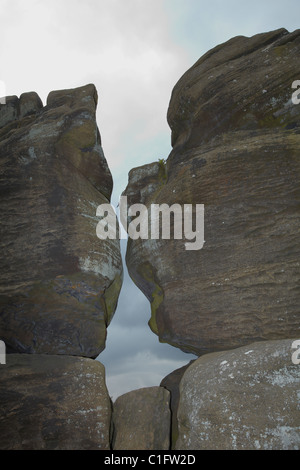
111, 296
157, 296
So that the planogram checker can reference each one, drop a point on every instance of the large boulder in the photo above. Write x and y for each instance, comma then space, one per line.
59, 283
53, 403
235, 135
142, 420
243, 399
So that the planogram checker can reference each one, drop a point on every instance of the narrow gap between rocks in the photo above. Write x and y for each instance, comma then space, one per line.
133, 357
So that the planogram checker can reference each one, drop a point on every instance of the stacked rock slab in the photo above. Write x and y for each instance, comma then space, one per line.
236, 146
59, 284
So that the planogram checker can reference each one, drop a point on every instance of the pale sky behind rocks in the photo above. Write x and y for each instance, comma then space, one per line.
134, 51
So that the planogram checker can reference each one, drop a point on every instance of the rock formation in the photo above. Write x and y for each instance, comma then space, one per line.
235, 136
59, 283
142, 420
54, 403
246, 399
235, 302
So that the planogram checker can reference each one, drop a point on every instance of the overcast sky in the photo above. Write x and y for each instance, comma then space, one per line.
134, 51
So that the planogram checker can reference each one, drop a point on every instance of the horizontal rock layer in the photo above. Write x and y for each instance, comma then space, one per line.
235, 132
59, 283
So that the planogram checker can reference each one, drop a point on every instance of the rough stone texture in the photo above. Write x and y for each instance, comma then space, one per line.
242, 84
245, 399
53, 403
171, 382
29, 103
236, 145
142, 420
59, 283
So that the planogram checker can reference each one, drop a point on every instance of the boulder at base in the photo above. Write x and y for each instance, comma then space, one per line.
244, 399
53, 403
142, 420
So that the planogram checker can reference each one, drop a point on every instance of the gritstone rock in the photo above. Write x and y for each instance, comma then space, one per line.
244, 399
59, 284
142, 420
53, 403
236, 147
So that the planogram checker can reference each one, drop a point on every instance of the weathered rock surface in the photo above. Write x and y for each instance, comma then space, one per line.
142, 420
236, 147
243, 84
59, 284
53, 403
245, 399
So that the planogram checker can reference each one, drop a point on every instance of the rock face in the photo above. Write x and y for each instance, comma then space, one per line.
243, 84
142, 420
236, 146
59, 284
245, 399
53, 403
